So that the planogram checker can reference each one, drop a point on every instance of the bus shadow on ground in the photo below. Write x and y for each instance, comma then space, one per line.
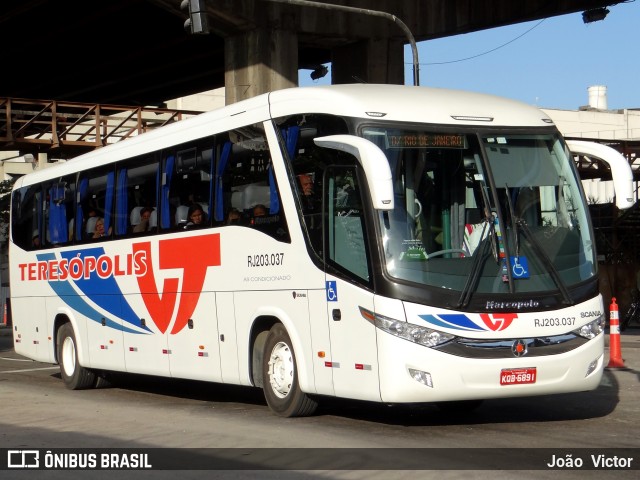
180, 388
547, 408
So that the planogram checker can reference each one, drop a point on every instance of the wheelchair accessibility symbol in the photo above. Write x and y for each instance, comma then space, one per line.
519, 267
332, 291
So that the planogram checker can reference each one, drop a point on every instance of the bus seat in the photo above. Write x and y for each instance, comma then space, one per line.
153, 219
256, 194
474, 234
90, 227
236, 200
472, 216
181, 214
245, 197
134, 217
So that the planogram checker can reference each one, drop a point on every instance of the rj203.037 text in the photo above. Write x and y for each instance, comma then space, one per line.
554, 322
266, 260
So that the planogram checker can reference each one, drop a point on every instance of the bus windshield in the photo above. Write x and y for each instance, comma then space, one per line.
486, 213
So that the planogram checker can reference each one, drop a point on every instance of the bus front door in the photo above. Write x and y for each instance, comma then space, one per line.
353, 338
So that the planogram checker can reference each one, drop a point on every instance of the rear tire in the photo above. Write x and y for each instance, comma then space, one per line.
280, 377
74, 375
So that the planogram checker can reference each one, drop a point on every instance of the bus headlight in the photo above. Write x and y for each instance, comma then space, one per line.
592, 329
414, 333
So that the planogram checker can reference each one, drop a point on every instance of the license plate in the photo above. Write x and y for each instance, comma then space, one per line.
517, 376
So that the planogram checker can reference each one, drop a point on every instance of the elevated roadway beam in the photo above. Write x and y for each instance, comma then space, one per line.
136, 52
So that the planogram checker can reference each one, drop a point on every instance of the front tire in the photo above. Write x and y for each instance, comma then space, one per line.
280, 377
74, 375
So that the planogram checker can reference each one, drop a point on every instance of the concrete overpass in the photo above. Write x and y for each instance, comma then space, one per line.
136, 52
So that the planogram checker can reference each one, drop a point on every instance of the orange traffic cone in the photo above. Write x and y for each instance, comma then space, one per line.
615, 352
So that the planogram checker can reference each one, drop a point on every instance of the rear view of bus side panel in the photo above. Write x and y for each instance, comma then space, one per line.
194, 351
145, 353
105, 341
30, 333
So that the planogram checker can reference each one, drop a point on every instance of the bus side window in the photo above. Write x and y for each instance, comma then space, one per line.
58, 211
187, 182
307, 163
27, 209
346, 236
246, 184
95, 200
137, 196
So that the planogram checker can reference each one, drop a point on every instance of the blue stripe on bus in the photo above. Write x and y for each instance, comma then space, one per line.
457, 321
68, 295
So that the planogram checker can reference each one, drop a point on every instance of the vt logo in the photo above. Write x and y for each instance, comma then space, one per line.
498, 321
192, 255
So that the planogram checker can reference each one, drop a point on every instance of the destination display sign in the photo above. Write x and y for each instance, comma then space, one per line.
426, 140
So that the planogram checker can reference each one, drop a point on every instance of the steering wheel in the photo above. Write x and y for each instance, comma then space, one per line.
416, 215
444, 252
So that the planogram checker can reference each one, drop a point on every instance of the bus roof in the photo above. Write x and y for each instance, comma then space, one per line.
387, 102
409, 104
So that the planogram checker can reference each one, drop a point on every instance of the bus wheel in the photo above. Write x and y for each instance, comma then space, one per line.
75, 376
279, 371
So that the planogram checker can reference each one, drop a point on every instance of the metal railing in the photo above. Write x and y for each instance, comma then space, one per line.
43, 125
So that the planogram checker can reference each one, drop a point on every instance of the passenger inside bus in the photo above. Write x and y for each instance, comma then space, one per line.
99, 229
308, 197
196, 216
145, 218
233, 217
259, 210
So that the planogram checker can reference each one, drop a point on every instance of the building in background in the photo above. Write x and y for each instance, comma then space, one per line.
618, 128
617, 233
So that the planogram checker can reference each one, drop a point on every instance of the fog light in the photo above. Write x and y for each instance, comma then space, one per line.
422, 377
593, 366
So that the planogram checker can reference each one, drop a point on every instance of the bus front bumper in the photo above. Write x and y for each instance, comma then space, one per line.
411, 373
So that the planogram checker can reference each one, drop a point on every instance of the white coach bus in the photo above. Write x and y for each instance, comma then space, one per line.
385, 243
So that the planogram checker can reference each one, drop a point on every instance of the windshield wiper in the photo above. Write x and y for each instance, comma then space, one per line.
542, 255
518, 224
516, 238
481, 253
478, 261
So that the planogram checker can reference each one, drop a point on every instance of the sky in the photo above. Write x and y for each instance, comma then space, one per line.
549, 63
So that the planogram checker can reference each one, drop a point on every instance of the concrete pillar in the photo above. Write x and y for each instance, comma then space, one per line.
42, 161
260, 61
369, 61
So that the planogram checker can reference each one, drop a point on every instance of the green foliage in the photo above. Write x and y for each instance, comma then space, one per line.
5, 203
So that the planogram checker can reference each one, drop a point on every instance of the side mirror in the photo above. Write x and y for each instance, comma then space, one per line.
620, 169
373, 162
